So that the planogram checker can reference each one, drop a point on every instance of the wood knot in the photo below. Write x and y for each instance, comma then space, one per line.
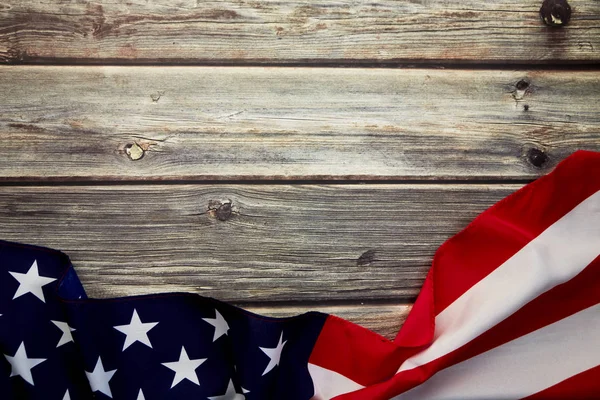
220, 210
134, 151
366, 258
157, 95
537, 157
522, 85
224, 212
555, 12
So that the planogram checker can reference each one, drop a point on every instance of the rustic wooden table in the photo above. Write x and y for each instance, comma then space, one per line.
280, 155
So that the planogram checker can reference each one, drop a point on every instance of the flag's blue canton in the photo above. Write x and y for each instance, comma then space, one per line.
57, 344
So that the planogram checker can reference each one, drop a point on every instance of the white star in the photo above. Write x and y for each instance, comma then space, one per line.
66, 332
99, 378
67, 396
21, 365
31, 282
230, 394
141, 395
220, 325
136, 331
184, 368
274, 354
245, 390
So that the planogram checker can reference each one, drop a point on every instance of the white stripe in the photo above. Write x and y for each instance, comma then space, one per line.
328, 384
554, 257
522, 367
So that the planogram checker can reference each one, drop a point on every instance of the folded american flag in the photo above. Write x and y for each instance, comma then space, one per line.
510, 309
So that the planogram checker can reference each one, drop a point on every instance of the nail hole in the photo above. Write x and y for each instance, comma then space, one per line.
526, 107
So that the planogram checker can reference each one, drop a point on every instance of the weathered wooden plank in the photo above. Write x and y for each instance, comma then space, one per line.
265, 31
247, 243
208, 123
385, 319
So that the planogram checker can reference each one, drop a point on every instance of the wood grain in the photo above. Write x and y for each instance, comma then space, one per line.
248, 123
271, 243
294, 32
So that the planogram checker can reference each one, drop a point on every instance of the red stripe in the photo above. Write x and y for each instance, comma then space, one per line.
581, 292
346, 348
489, 241
495, 236
504, 229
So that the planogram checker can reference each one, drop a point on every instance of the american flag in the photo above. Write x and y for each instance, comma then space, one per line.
510, 309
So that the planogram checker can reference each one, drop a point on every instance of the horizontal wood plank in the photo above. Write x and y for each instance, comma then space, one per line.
385, 319
265, 31
247, 243
209, 123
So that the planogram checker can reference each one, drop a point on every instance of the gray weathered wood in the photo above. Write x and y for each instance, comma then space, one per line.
268, 243
263, 31
385, 319
209, 123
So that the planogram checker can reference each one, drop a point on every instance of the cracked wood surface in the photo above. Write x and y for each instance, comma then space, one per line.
294, 32
248, 123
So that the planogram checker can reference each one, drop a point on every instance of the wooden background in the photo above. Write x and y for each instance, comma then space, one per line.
280, 155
